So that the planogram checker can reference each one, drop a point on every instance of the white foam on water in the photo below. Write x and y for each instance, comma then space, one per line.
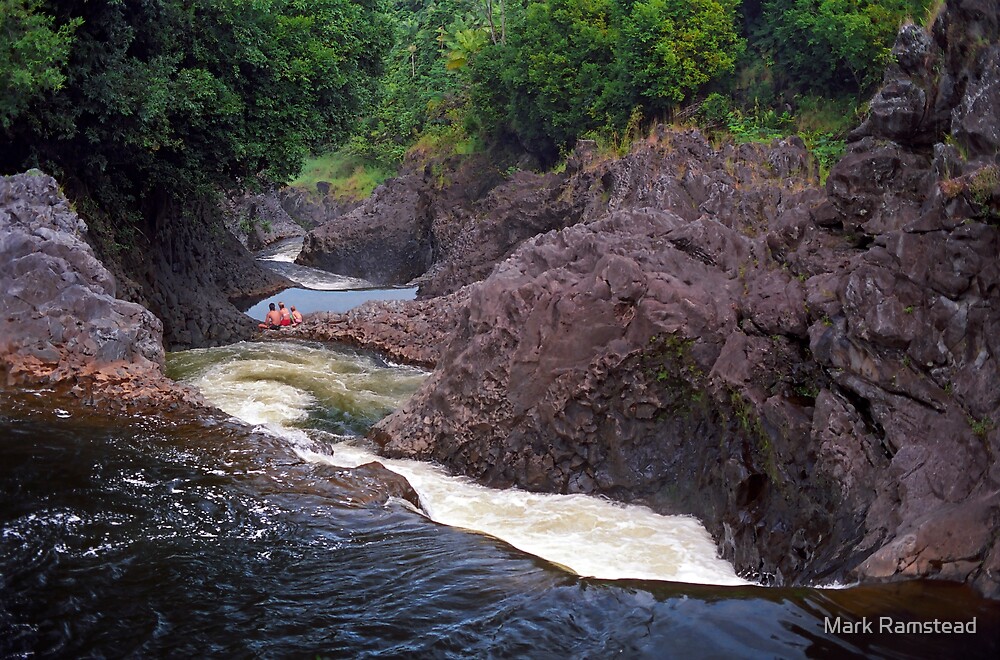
286, 251
262, 402
281, 256
586, 535
836, 586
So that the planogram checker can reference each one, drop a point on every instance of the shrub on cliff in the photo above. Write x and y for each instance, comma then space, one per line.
833, 45
32, 55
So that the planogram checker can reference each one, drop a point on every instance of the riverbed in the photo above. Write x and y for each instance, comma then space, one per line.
148, 537
155, 536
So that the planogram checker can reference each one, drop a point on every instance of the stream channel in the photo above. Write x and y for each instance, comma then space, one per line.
151, 537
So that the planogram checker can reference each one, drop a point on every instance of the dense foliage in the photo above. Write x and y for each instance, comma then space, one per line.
32, 55
833, 45
573, 66
563, 69
425, 77
173, 97
128, 98
546, 84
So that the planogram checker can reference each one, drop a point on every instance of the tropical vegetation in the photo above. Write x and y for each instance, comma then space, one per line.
132, 103
129, 102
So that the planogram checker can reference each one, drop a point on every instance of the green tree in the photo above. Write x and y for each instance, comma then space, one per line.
33, 53
175, 97
547, 84
464, 44
834, 45
418, 91
574, 66
670, 48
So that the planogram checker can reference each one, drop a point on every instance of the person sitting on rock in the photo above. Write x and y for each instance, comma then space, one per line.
296, 316
272, 320
284, 314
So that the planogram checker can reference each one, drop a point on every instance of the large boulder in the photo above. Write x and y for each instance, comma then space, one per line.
814, 409
932, 130
60, 322
812, 373
387, 240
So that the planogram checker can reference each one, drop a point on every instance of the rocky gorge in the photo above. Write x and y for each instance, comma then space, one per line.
704, 329
62, 324
65, 336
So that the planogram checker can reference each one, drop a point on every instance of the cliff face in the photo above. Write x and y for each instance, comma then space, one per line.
812, 373
187, 268
386, 240
63, 329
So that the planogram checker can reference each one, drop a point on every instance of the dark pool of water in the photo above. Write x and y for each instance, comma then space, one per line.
147, 539
311, 300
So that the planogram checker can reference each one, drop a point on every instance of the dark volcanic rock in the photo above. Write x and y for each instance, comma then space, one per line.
943, 92
473, 233
512, 212
312, 209
387, 240
811, 424
60, 323
409, 331
187, 268
61, 327
812, 375
258, 220
378, 484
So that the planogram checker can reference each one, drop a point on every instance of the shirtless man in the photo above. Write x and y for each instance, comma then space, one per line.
272, 320
296, 316
284, 315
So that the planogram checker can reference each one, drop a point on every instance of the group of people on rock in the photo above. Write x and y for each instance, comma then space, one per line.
280, 317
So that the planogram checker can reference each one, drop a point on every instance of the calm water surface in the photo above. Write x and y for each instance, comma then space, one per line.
317, 290
151, 537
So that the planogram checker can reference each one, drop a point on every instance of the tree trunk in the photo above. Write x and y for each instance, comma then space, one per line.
489, 17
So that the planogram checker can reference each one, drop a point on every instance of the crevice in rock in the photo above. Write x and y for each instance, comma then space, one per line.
864, 409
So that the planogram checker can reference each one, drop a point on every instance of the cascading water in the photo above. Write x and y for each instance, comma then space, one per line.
319, 399
281, 256
144, 537
162, 537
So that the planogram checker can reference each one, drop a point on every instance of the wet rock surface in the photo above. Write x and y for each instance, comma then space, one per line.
811, 372
704, 330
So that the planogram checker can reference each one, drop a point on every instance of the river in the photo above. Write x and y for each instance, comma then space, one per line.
317, 290
151, 537
156, 536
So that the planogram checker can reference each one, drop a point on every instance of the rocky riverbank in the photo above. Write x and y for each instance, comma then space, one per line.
699, 328
411, 332
61, 325
705, 330
65, 335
